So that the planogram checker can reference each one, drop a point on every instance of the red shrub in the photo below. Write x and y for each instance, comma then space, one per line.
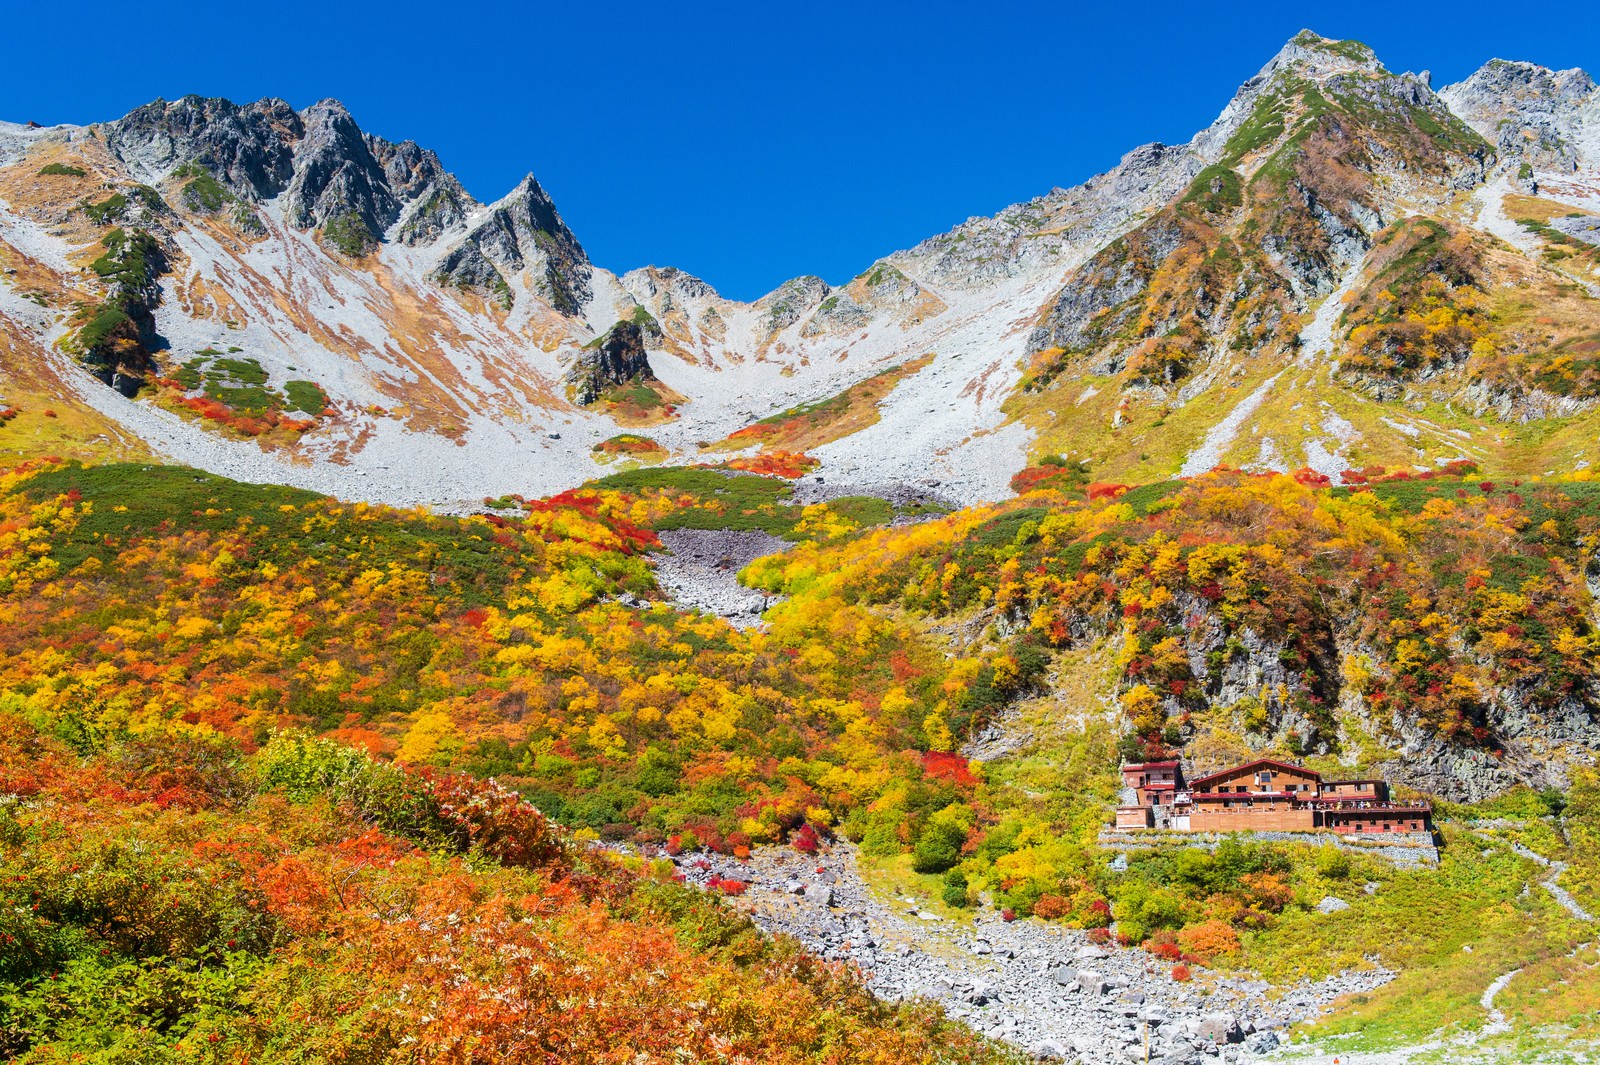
491, 816
1103, 490
1180, 973
805, 840
785, 464
943, 765
1050, 907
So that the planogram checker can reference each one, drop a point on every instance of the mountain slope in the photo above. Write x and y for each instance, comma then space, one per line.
1218, 301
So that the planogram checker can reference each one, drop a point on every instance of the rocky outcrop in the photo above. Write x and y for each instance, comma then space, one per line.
881, 292
249, 149
1079, 319
336, 178
115, 338
792, 301
1053, 228
617, 357
521, 235
1547, 118
436, 202
666, 283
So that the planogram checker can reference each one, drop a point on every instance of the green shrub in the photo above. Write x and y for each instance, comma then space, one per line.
1332, 862
305, 396
349, 234
60, 170
938, 847
104, 324
955, 889
107, 210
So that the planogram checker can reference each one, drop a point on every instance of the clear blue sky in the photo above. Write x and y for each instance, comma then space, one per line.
744, 142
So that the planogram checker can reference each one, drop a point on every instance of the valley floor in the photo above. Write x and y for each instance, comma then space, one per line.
1043, 988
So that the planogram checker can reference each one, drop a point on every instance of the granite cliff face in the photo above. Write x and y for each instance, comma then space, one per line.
521, 234
616, 357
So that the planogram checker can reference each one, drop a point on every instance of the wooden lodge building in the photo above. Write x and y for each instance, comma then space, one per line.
1264, 795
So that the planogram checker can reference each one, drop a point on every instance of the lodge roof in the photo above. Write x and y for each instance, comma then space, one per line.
1231, 770
1149, 765
1249, 796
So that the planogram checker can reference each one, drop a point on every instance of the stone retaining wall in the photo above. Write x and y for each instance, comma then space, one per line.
1407, 850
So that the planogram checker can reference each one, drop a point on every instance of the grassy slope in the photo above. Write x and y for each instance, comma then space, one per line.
814, 424
1040, 807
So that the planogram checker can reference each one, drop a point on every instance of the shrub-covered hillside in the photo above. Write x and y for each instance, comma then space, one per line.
159, 599
1386, 623
172, 899
1430, 629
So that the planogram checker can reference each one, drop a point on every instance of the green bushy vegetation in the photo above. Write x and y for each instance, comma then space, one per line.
1215, 190
201, 190
304, 396
349, 235
737, 501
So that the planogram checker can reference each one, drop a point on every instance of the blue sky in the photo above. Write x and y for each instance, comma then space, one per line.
744, 142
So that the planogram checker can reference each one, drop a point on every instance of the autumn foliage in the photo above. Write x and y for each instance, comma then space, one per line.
143, 600
164, 900
786, 464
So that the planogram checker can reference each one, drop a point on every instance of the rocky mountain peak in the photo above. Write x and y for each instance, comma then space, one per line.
521, 232
649, 282
1547, 118
1313, 55
1307, 57
249, 149
792, 301
336, 179
435, 201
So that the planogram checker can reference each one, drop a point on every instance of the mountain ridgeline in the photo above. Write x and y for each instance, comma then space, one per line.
1347, 269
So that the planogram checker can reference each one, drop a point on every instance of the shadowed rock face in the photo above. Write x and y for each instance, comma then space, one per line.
616, 359
438, 202
335, 175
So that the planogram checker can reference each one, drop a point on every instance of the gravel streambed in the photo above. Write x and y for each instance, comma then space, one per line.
700, 569
1040, 987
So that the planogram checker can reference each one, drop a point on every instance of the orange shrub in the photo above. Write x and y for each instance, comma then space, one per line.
1209, 940
786, 464
1051, 907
